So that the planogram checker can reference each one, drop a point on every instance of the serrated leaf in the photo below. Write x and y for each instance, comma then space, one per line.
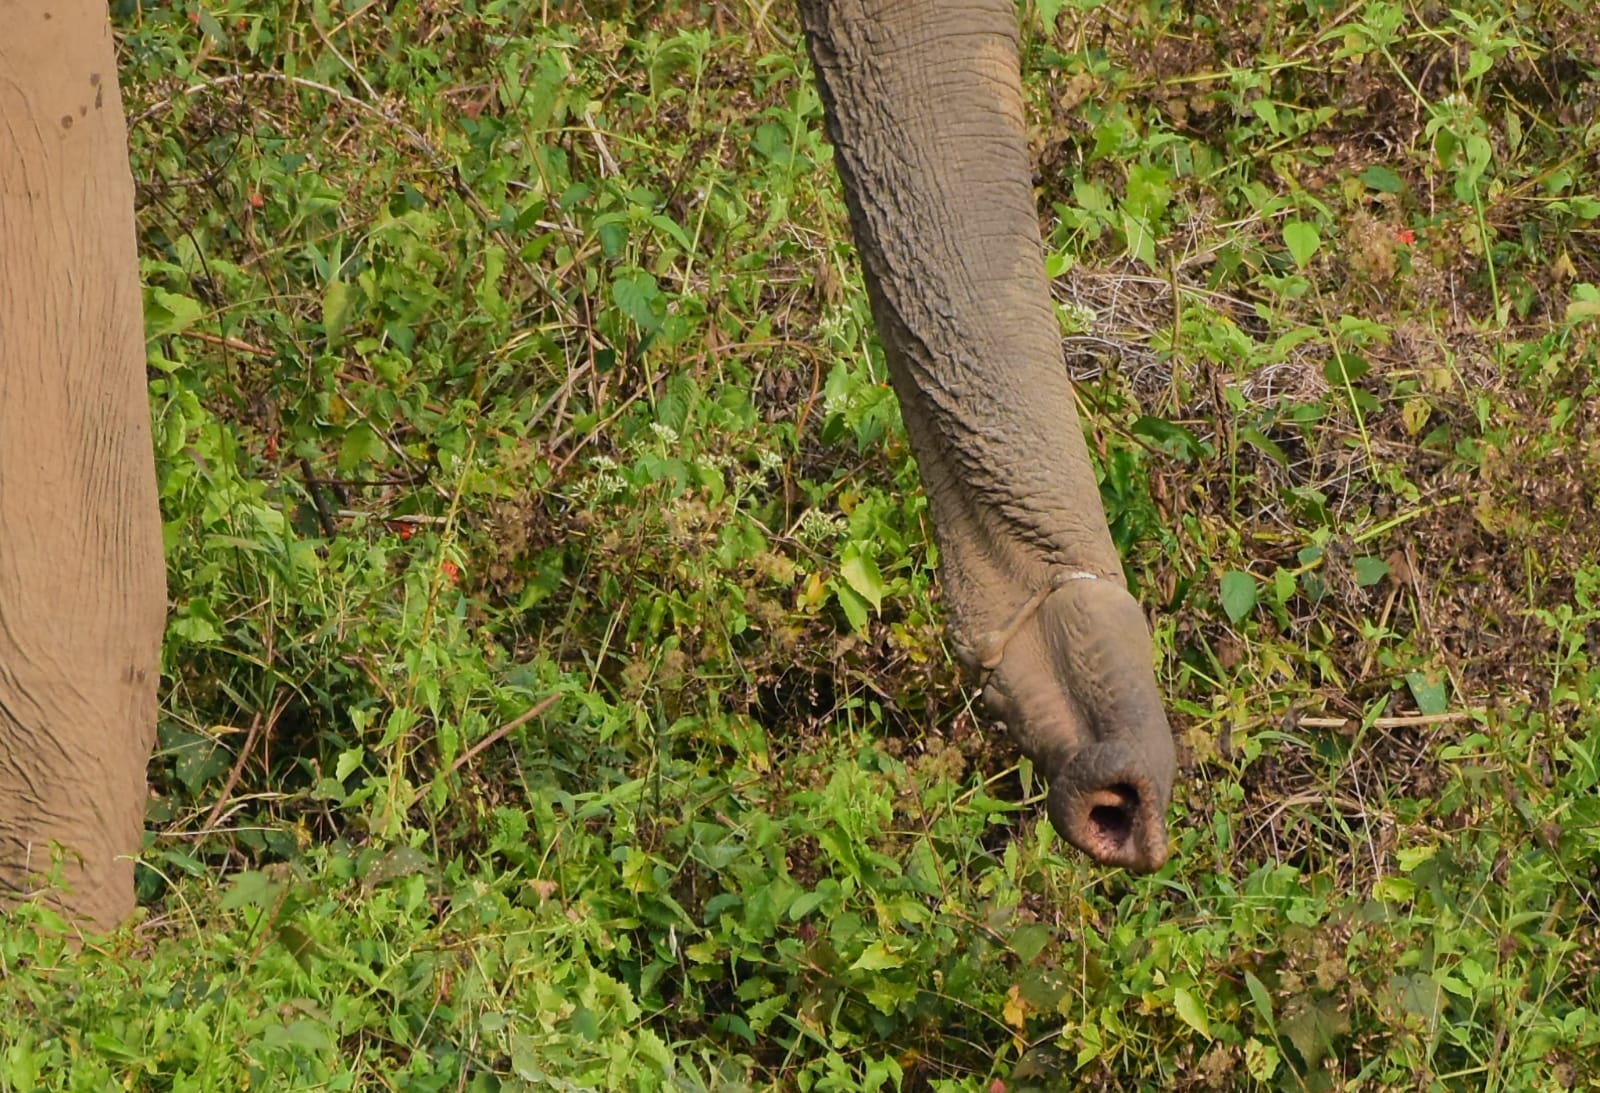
1238, 595
1302, 240
1369, 571
1191, 1011
1380, 178
1419, 994
251, 889
680, 397
362, 444
639, 298
1314, 1028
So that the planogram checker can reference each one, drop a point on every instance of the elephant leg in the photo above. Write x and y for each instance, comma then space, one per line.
82, 582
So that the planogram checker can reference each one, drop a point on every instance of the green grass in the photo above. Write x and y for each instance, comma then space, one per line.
556, 690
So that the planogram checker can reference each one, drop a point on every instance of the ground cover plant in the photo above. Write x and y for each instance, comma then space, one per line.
555, 690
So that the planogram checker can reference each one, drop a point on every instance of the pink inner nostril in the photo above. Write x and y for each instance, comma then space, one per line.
1112, 814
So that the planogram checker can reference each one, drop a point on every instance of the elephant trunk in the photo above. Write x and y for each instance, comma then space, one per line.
925, 113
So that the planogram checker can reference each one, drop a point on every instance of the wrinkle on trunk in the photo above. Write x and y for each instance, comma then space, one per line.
82, 582
925, 112
927, 122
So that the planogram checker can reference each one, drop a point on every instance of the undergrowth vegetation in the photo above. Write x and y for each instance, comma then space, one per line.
555, 689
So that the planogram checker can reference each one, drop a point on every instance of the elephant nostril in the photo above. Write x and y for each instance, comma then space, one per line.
1112, 821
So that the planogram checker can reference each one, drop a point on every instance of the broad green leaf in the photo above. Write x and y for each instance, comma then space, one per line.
1369, 571
1261, 999
1269, 447
1173, 439
1380, 178
1418, 994
639, 298
876, 958
1428, 692
807, 902
1048, 10
1238, 595
361, 445
252, 889
300, 1033
1345, 367
169, 313
1261, 1059
855, 608
1141, 240
1267, 111
1313, 1028
487, 294
1408, 858
1585, 303
681, 395
861, 573
337, 299
1029, 940
1192, 1011
348, 763
1302, 240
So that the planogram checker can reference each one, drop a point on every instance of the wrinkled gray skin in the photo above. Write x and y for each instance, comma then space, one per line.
924, 108
82, 584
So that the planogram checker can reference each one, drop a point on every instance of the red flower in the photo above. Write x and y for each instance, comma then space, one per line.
1406, 236
451, 571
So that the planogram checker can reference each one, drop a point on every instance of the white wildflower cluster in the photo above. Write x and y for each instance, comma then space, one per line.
834, 326
844, 401
605, 483
716, 461
665, 433
746, 483
1077, 318
817, 529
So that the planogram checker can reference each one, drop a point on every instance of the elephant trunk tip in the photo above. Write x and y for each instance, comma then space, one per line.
1116, 825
